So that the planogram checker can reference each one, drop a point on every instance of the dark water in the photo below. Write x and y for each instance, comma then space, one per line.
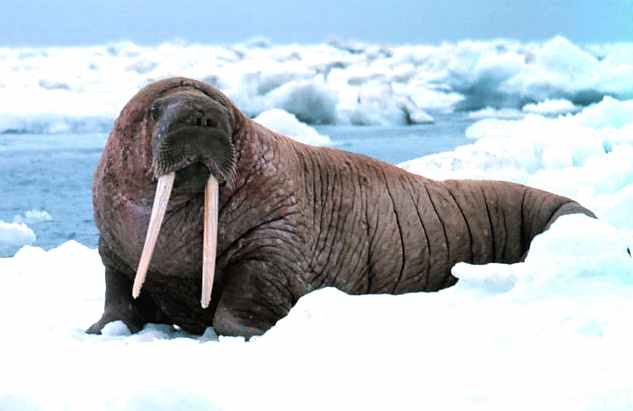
54, 172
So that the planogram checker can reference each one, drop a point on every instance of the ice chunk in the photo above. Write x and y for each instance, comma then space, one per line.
554, 106
310, 101
115, 329
33, 216
14, 235
287, 124
490, 112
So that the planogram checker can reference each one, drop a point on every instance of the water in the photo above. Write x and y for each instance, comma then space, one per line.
397, 144
53, 172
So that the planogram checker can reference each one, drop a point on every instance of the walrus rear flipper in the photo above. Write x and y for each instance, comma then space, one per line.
571, 207
540, 209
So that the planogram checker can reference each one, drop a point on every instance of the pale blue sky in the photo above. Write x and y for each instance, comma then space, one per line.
81, 22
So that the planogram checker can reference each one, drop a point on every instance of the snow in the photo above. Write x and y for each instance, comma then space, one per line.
551, 332
287, 124
331, 83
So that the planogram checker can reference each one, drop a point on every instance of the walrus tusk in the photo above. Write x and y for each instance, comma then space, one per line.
161, 199
210, 239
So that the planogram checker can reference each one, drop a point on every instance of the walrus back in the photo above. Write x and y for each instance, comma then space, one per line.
404, 232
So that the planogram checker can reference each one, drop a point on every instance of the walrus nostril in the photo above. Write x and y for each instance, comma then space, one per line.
198, 121
210, 123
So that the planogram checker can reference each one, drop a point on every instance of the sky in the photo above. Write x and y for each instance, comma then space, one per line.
85, 22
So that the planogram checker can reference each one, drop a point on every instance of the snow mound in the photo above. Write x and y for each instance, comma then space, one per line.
288, 125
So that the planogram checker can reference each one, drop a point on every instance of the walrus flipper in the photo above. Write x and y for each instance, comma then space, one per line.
568, 208
119, 304
252, 301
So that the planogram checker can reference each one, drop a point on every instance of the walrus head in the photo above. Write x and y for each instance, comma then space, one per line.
192, 150
191, 130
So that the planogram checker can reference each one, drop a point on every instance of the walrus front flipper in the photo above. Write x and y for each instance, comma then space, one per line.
251, 301
119, 304
118, 307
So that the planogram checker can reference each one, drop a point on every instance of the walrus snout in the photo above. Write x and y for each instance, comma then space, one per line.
191, 127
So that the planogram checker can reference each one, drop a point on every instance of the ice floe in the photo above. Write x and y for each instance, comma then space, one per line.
332, 83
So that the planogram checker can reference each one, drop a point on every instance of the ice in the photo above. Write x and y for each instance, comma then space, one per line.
553, 106
510, 74
287, 124
553, 331
309, 101
115, 328
332, 83
53, 123
490, 112
14, 235
33, 216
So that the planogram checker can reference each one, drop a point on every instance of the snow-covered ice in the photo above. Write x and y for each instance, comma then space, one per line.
553, 332
332, 83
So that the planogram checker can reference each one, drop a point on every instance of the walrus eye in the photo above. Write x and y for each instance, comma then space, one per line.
154, 111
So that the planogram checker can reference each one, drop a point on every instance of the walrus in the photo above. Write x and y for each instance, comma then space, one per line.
207, 218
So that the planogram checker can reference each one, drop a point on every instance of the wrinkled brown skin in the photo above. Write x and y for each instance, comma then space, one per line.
294, 218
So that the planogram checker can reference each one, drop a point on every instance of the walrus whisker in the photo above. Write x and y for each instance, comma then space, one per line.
161, 199
211, 195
